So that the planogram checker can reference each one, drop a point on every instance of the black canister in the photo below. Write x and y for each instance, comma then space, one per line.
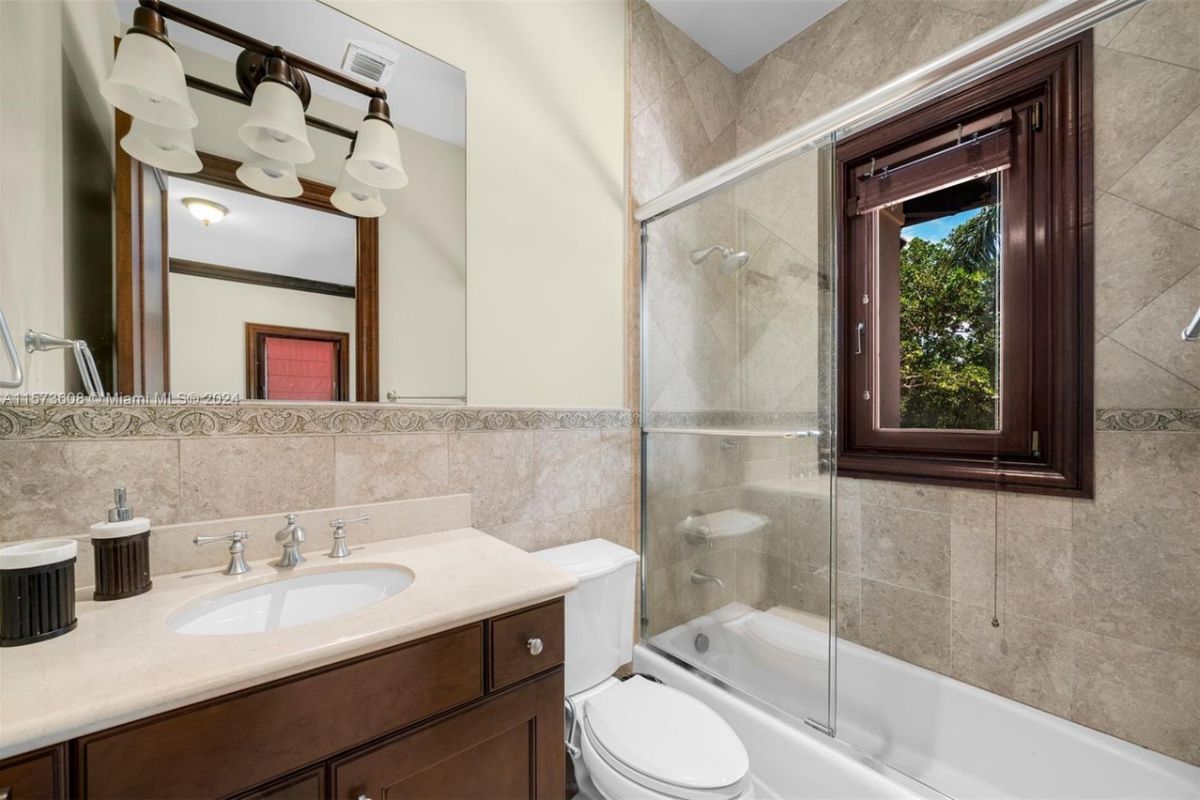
37, 591
121, 548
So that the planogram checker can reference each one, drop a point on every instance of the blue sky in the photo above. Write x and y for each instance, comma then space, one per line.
937, 229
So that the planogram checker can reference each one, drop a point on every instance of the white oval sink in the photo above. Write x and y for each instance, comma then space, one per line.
289, 602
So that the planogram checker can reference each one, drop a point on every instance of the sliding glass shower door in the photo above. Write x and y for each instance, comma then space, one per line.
738, 420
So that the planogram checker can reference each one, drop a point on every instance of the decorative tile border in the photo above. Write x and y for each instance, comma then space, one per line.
116, 420
730, 418
1181, 420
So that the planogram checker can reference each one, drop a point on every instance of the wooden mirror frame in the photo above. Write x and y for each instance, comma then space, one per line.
219, 171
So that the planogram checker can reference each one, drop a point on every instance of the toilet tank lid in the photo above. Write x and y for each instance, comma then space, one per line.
589, 559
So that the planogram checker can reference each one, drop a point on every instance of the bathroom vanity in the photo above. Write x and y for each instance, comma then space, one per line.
474, 710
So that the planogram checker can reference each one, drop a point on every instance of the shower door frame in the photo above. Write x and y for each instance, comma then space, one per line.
827, 247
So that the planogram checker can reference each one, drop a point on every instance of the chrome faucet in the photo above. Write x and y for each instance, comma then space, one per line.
340, 550
237, 550
699, 576
291, 536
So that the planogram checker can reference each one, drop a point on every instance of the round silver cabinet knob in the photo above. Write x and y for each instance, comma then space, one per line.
535, 647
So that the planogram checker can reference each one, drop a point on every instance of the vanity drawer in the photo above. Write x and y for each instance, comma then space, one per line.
220, 747
513, 643
34, 776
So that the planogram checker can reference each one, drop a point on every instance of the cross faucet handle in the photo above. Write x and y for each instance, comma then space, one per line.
340, 550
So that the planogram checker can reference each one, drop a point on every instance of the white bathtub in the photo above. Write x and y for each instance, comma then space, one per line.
960, 740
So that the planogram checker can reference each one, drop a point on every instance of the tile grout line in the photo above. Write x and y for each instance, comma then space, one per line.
1130, 350
1112, 39
1190, 273
1166, 134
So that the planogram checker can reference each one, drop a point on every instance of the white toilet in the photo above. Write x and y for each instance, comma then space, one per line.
634, 738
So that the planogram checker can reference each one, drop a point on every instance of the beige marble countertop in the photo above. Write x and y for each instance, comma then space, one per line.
123, 663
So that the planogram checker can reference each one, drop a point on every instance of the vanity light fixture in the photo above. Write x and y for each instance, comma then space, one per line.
147, 80
171, 149
356, 198
149, 84
206, 211
270, 176
280, 92
375, 156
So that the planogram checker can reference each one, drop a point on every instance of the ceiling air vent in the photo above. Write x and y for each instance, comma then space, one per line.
369, 61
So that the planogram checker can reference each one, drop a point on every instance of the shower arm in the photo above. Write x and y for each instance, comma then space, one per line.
1192, 332
36, 342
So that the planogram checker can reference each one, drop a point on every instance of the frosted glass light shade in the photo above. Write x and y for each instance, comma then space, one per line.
147, 83
170, 149
356, 198
270, 176
376, 157
276, 127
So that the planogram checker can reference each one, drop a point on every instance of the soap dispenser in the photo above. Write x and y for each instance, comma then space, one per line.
122, 552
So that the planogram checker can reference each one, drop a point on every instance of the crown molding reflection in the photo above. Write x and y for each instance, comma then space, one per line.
114, 420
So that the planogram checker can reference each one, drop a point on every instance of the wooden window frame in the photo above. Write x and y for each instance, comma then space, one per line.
1047, 291
256, 335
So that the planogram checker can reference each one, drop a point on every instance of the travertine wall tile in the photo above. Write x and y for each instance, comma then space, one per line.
234, 476
907, 624
60, 488
1139, 255
1137, 102
1138, 693
1167, 179
497, 470
1153, 332
1166, 30
1133, 381
906, 547
372, 469
1027, 660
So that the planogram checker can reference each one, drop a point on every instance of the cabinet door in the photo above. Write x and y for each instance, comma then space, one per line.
227, 745
34, 776
508, 748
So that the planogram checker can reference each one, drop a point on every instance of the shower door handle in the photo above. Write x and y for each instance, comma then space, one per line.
859, 332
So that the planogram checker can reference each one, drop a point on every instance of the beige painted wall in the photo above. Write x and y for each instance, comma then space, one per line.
422, 239
545, 195
34, 39
208, 333
545, 190
423, 274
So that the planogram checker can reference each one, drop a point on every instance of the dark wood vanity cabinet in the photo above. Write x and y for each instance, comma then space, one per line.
426, 719
40, 774
506, 749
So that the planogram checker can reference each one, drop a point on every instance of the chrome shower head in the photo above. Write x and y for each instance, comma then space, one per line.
731, 261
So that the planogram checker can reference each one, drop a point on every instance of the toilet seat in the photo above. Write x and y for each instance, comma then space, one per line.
661, 742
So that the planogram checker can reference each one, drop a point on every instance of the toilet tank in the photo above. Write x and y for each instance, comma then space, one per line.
599, 612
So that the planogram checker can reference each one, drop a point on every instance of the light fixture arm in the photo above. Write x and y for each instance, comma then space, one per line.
219, 31
149, 22
253, 68
378, 109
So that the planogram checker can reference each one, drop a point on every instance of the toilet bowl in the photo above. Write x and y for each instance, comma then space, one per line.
634, 738
647, 740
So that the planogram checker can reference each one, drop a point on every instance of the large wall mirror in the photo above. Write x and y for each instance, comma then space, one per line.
231, 273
